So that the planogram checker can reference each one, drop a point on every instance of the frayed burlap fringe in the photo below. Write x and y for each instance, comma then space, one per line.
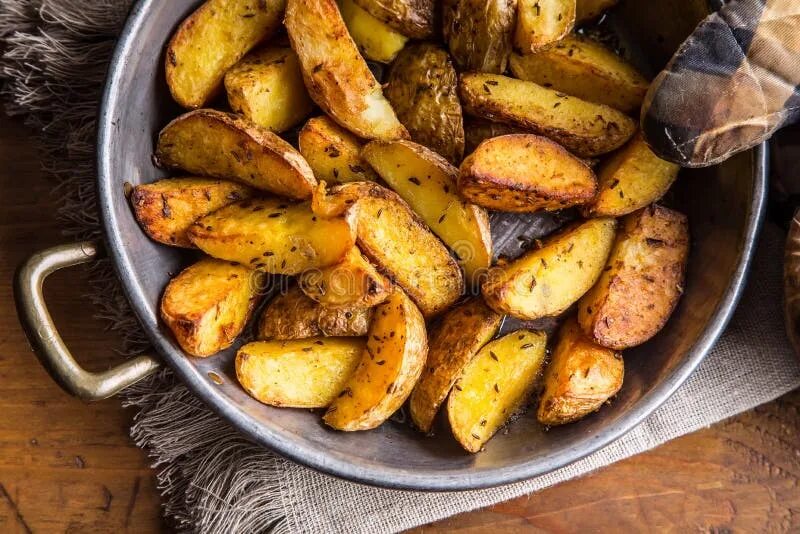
55, 57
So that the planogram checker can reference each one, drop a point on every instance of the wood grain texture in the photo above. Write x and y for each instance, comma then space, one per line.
67, 466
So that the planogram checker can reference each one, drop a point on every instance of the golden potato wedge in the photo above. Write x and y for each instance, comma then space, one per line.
293, 315
422, 87
428, 183
584, 128
478, 33
352, 282
273, 235
643, 280
584, 68
525, 173
545, 282
587, 10
390, 365
211, 40
332, 152
224, 145
207, 305
336, 76
375, 39
266, 86
476, 131
541, 23
631, 179
397, 241
580, 378
167, 208
300, 373
412, 18
456, 340
494, 385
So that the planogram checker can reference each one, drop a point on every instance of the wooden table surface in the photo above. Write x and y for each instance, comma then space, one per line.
66, 466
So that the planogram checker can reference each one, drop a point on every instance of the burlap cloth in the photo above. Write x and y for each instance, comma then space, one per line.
212, 479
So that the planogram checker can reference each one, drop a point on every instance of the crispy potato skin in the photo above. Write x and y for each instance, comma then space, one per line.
333, 153
207, 305
292, 315
302, 373
458, 337
525, 173
397, 241
273, 235
428, 183
167, 208
586, 69
494, 385
375, 39
336, 76
580, 378
542, 22
631, 179
412, 18
635, 296
397, 346
545, 282
352, 282
478, 33
266, 86
591, 9
476, 131
223, 145
213, 39
422, 87
584, 128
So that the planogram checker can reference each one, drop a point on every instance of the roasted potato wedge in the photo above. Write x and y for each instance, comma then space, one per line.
266, 86
422, 87
525, 173
273, 235
478, 33
546, 281
412, 18
631, 179
397, 241
336, 76
587, 10
458, 337
375, 39
293, 315
167, 208
300, 373
494, 385
211, 40
476, 131
584, 128
541, 23
332, 152
584, 68
428, 183
352, 282
223, 145
390, 365
580, 378
207, 305
643, 280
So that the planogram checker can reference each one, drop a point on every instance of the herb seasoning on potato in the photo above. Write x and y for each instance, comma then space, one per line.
478, 33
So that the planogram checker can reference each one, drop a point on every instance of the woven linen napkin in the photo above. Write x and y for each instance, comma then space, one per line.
212, 479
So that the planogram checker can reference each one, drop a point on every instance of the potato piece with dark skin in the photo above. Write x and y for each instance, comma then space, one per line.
375, 39
525, 173
165, 209
479, 32
208, 304
642, 282
455, 341
352, 282
208, 142
390, 366
541, 23
580, 378
292, 315
333, 153
412, 18
422, 87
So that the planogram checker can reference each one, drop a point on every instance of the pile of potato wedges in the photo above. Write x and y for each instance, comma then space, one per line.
377, 208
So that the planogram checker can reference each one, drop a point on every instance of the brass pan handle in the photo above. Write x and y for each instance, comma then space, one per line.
45, 339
